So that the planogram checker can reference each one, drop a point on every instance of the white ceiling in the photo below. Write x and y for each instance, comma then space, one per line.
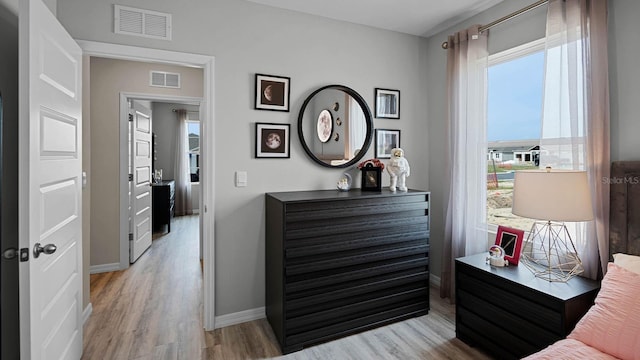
416, 17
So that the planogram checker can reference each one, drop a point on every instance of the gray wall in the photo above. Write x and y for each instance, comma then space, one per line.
624, 78
248, 38
10, 325
165, 126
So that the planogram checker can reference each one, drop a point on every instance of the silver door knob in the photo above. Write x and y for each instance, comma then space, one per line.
47, 249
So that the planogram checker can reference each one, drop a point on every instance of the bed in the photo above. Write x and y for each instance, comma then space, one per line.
611, 328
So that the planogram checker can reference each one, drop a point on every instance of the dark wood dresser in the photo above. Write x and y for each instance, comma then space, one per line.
511, 313
338, 263
163, 198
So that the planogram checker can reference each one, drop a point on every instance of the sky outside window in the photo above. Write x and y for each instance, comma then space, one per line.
514, 98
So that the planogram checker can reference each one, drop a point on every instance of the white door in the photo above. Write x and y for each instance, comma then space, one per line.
50, 192
141, 193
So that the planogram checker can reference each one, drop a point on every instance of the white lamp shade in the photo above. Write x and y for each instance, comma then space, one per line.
556, 195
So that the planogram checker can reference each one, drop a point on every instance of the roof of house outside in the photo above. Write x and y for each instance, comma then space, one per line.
514, 145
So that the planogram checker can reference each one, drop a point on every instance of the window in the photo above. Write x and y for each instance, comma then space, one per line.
515, 82
193, 128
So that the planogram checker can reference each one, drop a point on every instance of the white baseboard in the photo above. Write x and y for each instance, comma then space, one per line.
240, 317
86, 313
434, 280
96, 269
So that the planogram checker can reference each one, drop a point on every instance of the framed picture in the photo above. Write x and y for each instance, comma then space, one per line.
384, 141
272, 140
511, 241
371, 178
272, 92
387, 103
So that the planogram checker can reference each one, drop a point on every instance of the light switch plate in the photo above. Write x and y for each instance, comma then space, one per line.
241, 178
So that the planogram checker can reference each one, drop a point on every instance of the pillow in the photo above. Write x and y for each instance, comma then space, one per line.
629, 262
612, 325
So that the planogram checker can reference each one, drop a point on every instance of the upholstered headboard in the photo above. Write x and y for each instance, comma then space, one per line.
624, 217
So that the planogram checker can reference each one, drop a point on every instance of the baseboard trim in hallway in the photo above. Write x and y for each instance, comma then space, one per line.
240, 317
86, 313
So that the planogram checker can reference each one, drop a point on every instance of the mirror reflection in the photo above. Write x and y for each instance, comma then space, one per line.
335, 126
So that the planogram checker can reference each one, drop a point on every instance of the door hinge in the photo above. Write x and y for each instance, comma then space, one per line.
130, 117
130, 237
130, 177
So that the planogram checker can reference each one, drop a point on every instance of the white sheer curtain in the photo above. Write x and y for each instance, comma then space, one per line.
465, 226
183, 205
357, 127
575, 120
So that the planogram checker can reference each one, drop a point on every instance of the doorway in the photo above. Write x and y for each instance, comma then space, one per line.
207, 174
164, 179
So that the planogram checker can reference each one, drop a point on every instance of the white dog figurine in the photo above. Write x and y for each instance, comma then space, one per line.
398, 169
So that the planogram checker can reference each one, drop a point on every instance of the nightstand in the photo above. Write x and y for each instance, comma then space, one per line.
510, 313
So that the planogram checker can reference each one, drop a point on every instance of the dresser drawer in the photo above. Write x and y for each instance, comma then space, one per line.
353, 273
512, 304
365, 206
355, 240
322, 262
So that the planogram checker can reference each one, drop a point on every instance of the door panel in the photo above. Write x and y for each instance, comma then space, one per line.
141, 159
50, 199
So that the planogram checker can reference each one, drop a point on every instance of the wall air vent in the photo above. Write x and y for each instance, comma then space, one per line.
165, 79
139, 22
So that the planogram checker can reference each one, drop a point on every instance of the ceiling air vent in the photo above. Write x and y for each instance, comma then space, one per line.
165, 79
139, 22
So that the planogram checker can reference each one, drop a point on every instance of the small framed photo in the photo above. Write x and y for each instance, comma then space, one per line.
387, 104
511, 241
272, 140
371, 178
272, 92
385, 140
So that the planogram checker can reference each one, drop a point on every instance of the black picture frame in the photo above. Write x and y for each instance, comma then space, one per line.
387, 102
273, 141
272, 92
384, 141
371, 179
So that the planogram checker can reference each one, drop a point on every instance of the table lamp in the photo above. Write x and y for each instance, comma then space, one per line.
554, 196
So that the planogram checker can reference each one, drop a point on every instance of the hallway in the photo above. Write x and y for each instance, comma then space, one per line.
153, 310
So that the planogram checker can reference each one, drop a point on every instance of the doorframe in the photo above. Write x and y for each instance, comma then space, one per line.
207, 180
125, 241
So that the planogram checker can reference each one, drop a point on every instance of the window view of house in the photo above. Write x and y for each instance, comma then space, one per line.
194, 150
514, 110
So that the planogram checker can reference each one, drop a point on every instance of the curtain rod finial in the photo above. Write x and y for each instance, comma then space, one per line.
445, 45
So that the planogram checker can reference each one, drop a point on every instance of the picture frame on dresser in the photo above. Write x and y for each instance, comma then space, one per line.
510, 240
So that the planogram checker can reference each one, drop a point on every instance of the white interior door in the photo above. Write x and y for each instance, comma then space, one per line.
141, 192
50, 194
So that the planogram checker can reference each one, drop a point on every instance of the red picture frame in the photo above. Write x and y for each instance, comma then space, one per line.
510, 240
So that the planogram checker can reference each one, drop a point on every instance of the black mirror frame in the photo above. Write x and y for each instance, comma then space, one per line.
368, 118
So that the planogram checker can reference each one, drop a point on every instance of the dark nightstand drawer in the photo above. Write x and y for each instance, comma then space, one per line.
525, 313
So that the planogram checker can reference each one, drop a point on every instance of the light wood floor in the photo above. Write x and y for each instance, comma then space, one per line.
153, 310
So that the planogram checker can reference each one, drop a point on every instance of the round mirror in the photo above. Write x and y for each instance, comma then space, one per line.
335, 126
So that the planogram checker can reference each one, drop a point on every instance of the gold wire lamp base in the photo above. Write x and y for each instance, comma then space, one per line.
550, 253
